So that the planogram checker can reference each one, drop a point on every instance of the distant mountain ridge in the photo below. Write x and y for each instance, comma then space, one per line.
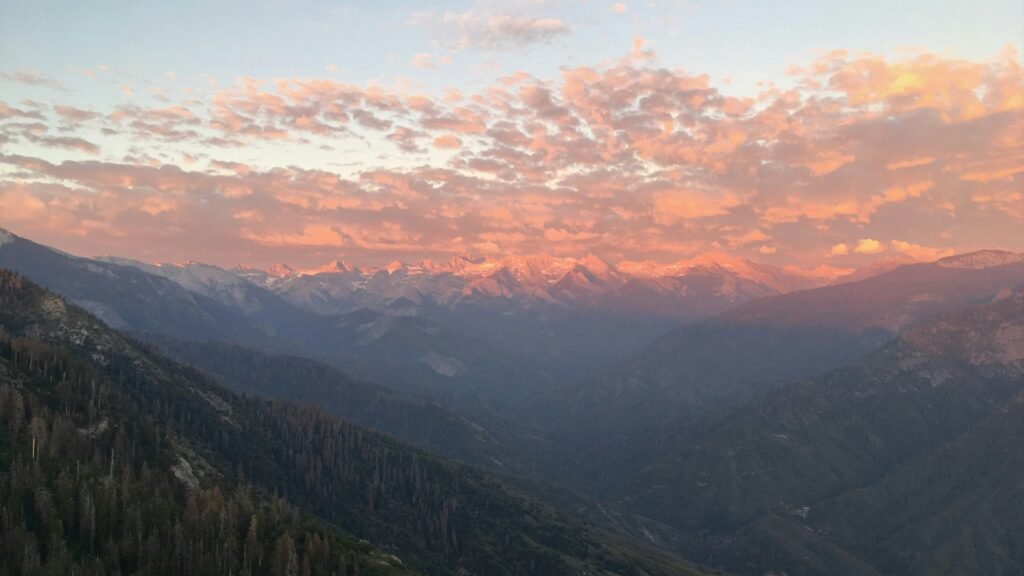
634, 409
561, 318
905, 462
536, 280
568, 316
199, 302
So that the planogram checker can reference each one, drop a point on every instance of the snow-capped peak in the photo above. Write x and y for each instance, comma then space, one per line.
334, 267
711, 260
596, 266
281, 270
641, 269
537, 268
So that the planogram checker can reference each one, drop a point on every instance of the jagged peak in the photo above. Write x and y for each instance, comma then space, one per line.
394, 266
641, 268
463, 264
333, 267
716, 259
281, 270
537, 261
704, 261
594, 263
278, 271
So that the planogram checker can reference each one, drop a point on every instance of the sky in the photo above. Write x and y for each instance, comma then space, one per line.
822, 135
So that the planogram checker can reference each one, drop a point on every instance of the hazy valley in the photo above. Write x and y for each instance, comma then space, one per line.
768, 424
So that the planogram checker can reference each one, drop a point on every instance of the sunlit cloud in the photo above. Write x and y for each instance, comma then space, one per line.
861, 157
483, 30
868, 246
918, 252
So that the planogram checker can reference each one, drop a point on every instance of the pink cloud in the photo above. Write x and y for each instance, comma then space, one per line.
32, 78
861, 155
496, 31
447, 141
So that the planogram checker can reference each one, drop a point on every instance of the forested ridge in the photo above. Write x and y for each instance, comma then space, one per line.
86, 488
118, 461
413, 420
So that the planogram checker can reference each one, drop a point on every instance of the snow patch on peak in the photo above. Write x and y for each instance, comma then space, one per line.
335, 267
707, 261
595, 265
642, 269
124, 262
716, 259
281, 271
6, 237
464, 265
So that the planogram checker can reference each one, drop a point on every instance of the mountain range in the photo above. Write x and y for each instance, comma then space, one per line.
176, 474
457, 332
692, 287
204, 303
552, 412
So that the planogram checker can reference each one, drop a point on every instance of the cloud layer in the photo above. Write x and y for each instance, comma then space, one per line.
860, 156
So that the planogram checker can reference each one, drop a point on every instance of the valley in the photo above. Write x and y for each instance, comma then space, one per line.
775, 433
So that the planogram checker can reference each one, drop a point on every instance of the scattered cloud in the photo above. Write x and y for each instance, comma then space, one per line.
426, 60
868, 246
33, 79
448, 141
864, 156
480, 30
918, 252
9, 112
74, 114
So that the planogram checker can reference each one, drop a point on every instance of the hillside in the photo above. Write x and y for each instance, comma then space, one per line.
629, 413
419, 422
97, 478
436, 516
900, 464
